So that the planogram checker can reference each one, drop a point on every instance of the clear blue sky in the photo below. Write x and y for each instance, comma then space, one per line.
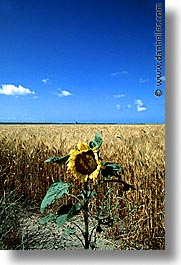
79, 61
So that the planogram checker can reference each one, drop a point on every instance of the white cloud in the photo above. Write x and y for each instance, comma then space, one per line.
129, 106
12, 90
143, 81
116, 73
140, 108
139, 104
64, 93
119, 96
118, 106
119, 73
124, 72
45, 80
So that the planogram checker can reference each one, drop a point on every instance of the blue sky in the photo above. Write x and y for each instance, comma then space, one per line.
80, 61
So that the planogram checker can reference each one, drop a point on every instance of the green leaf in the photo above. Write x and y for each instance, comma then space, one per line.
56, 191
111, 169
47, 218
62, 219
74, 210
58, 160
97, 141
88, 194
68, 231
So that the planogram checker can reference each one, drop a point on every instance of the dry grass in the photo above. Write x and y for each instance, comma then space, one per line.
139, 149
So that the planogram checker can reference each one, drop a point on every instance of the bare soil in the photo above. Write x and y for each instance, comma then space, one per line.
50, 237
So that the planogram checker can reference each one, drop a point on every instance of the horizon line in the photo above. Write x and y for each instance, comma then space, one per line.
81, 123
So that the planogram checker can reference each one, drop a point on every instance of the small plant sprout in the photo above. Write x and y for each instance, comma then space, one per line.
84, 165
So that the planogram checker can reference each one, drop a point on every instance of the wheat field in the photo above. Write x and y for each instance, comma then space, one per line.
138, 149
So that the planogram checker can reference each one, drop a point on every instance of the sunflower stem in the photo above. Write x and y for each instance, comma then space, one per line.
86, 217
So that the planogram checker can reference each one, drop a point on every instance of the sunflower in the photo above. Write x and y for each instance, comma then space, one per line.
84, 162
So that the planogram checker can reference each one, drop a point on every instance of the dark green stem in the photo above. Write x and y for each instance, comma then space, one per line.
86, 221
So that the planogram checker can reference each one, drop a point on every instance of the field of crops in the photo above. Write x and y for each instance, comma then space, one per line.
138, 149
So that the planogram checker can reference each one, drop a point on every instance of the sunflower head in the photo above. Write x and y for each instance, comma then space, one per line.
84, 162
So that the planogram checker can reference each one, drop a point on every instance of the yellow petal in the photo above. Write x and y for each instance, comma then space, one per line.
82, 146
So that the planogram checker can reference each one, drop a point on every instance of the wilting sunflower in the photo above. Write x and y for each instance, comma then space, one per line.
84, 163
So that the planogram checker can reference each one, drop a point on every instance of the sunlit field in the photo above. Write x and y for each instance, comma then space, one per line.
138, 149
